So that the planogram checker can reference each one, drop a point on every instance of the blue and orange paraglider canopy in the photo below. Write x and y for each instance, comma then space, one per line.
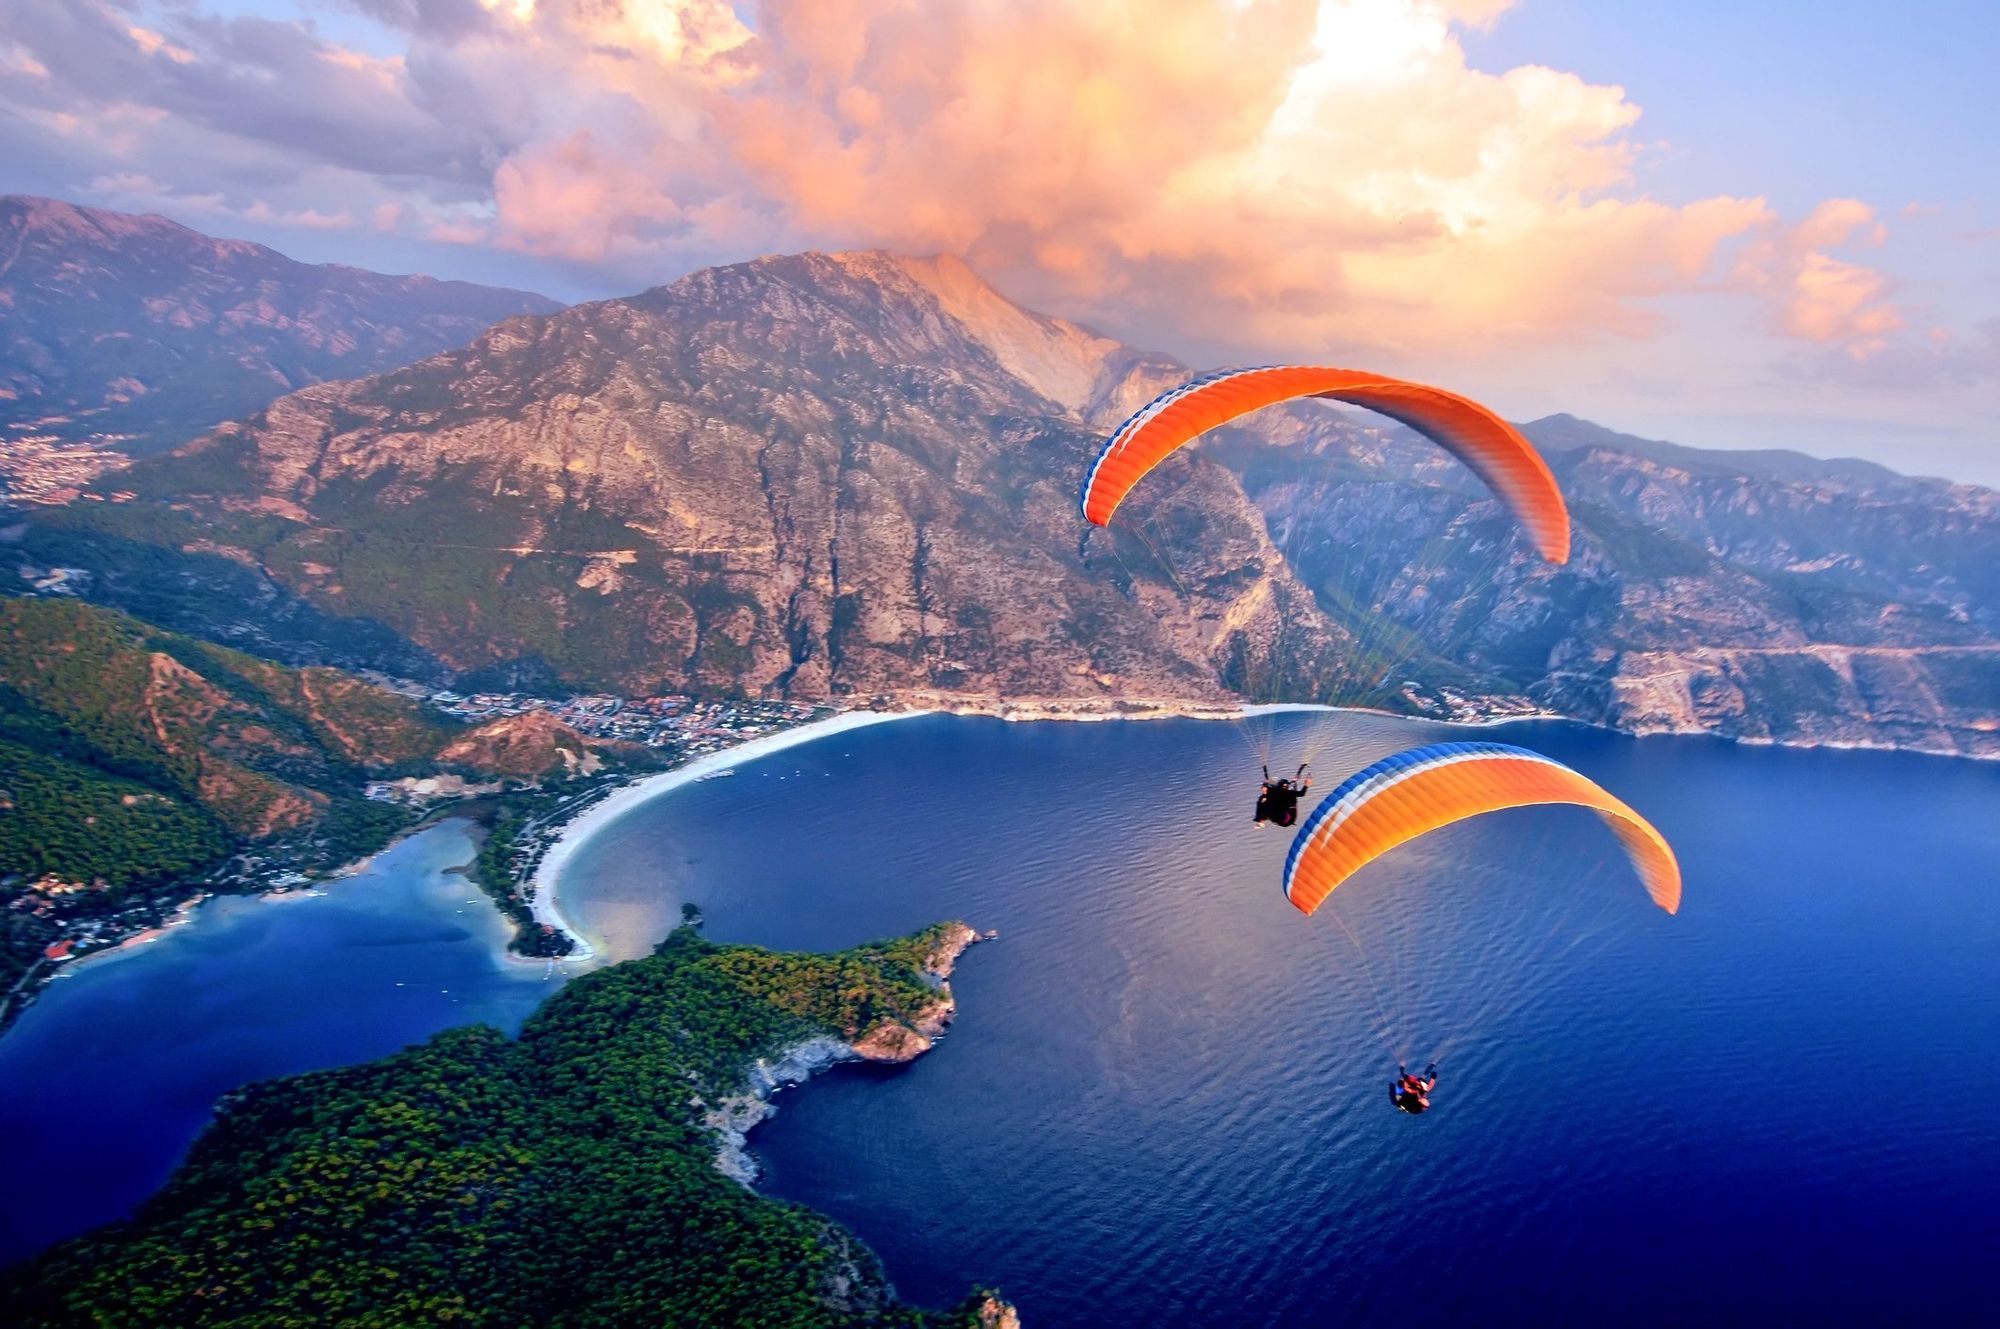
1413, 793
1494, 450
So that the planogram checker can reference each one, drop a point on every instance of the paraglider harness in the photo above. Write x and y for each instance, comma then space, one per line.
1412, 1093
1278, 801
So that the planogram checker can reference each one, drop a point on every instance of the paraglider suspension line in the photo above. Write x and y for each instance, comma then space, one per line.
1165, 566
1383, 1025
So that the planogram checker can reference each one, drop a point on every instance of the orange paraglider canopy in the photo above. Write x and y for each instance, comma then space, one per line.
1494, 450
1412, 793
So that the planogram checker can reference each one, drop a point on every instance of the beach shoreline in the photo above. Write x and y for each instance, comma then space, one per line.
545, 902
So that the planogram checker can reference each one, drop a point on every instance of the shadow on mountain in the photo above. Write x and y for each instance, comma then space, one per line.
217, 597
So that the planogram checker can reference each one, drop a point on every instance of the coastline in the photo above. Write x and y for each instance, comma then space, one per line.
545, 903
889, 1043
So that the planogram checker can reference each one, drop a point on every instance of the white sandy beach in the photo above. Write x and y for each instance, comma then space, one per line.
547, 904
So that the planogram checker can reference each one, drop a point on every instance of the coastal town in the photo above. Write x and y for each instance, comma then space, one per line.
41, 469
675, 726
1456, 707
672, 728
683, 724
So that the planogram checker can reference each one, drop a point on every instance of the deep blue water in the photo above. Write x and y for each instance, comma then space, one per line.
107, 1079
1164, 1102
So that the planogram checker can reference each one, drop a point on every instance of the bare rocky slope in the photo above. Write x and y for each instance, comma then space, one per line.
1763, 595
138, 333
805, 475
853, 475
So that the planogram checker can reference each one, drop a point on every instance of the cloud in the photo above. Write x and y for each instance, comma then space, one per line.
1939, 360
133, 189
1820, 298
1840, 221
1840, 303
311, 218
575, 199
1237, 177
1259, 176
252, 80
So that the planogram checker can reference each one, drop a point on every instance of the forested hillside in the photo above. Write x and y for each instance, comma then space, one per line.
133, 760
568, 1177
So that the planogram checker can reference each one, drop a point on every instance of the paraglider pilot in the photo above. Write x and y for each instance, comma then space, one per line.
1412, 1093
1278, 800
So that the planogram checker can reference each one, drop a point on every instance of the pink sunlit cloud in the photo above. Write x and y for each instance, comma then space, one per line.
1230, 179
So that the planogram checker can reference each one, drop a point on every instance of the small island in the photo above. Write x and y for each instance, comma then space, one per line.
589, 1172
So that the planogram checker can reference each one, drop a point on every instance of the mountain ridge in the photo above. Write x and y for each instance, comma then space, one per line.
139, 765
715, 455
851, 475
136, 332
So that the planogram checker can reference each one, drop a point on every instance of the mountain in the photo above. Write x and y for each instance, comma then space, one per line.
832, 475
134, 760
138, 333
810, 475
1765, 596
1566, 433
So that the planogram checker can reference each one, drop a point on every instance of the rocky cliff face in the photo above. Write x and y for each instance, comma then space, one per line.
853, 475
141, 333
1765, 596
803, 475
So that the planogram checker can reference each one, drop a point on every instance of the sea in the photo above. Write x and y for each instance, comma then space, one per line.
1164, 1100
106, 1080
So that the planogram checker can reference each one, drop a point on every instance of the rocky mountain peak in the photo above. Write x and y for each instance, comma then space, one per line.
935, 308
54, 223
805, 474
1064, 362
828, 475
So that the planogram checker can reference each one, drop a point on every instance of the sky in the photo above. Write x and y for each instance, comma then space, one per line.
1731, 225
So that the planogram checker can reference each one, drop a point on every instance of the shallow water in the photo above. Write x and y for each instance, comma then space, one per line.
1164, 1101
108, 1078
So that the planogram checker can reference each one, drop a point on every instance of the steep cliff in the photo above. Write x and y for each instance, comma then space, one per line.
806, 475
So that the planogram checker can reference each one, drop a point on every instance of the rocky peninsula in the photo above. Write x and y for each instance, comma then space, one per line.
889, 1041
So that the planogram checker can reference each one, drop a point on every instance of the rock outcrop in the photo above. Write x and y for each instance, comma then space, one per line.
800, 475
1764, 596
889, 1042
